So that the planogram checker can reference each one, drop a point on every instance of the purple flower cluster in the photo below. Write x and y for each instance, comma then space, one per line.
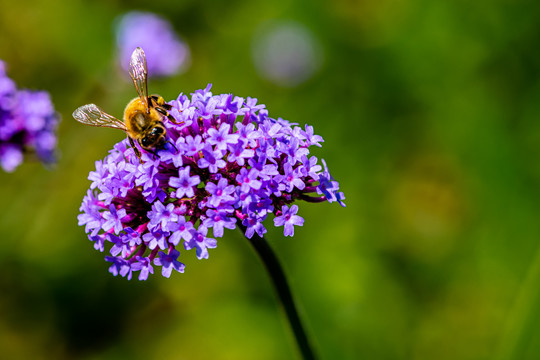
226, 163
156, 36
28, 123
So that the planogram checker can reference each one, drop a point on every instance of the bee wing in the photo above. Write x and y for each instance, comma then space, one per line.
138, 71
93, 115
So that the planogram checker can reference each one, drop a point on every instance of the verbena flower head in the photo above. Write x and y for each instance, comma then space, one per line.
156, 35
28, 123
227, 162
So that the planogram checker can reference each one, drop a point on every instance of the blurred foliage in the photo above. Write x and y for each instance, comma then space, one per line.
430, 114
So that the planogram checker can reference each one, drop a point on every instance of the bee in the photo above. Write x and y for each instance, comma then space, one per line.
143, 116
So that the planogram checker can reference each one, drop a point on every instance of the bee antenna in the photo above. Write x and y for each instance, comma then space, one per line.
154, 152
170, 142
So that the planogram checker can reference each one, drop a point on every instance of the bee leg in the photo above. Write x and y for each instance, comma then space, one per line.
162, 107
166, 106
160, 101
172, 119
136, 149
153, 152
163, 111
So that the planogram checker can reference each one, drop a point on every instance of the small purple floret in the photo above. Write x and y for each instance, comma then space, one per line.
168, 262
144, 265
288, 218
184, 183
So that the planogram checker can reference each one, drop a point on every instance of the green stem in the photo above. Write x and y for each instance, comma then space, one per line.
272, 265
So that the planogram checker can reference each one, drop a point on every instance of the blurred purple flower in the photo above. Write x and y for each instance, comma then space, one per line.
28, 123
186, 195
286, 53
166, 53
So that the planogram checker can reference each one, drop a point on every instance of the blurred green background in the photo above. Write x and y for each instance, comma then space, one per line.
430, 111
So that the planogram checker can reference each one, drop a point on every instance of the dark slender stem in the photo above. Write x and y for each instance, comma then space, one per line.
283, 291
